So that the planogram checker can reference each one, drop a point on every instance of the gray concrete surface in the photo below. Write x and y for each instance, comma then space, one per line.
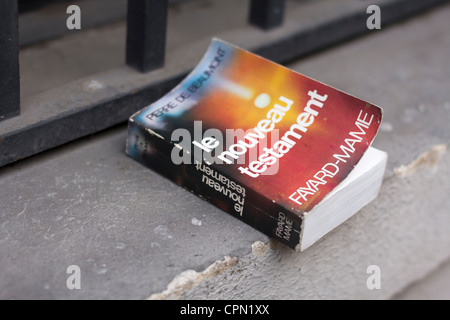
434, 286
136, 235
88, 204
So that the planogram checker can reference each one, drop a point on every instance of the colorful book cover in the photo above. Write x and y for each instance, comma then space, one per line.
262, 142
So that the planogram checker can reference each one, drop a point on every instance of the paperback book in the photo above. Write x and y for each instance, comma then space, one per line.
285, 153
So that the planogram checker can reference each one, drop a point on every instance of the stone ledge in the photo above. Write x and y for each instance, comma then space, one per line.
405, 239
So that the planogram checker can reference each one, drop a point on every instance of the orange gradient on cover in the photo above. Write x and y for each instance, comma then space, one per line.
235, 109
240, 91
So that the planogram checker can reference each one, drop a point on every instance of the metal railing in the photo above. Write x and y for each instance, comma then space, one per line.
146, 40
9, 60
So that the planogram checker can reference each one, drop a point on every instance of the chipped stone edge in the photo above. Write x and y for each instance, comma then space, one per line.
190, 278
429, 158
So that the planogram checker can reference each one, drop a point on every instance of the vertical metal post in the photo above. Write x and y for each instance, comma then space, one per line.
146, 34
9, 60
267, 14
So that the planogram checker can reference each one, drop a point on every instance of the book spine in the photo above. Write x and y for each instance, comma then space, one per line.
205, 181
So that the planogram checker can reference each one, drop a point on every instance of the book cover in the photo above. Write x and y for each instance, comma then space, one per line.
258, 140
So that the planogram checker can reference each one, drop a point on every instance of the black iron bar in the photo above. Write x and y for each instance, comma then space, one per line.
267, 14
9, 60
146, 34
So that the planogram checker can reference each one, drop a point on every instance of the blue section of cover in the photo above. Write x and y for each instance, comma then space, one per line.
198, 83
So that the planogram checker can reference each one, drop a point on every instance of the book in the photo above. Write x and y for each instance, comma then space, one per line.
282, 152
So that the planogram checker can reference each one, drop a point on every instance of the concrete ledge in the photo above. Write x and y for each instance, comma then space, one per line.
432, 287
406, 240
132, 232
